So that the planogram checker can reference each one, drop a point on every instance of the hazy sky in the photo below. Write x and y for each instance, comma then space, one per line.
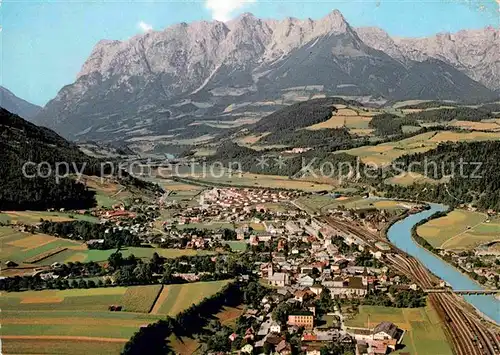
44, 43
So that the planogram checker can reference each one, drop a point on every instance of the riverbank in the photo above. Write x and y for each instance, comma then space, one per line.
400, 234
425, 244
402, 216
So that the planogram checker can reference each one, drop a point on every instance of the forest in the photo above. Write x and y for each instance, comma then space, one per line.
21, 142
387, 124
36, 186
428, 104
472, 169
450, 114
294, 166
131, 270
82, 230
300, 115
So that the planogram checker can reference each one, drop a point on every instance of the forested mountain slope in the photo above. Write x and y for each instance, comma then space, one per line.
473, 170
22, 142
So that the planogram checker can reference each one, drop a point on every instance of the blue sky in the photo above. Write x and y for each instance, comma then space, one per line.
44, 43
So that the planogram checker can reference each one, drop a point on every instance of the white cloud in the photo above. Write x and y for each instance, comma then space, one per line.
223, 9
144, 27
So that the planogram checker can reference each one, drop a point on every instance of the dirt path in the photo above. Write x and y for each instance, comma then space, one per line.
443, 246
63, 337
119, 191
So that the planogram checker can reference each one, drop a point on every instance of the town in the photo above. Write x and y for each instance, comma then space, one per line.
317, 272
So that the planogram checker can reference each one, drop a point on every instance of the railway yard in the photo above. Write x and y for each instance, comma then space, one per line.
469, 334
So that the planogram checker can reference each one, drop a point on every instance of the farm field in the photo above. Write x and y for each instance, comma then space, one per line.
183, 345
16, 345
177, 191
33, 217
188, 196
179, 186
316, 203
350, 117
105, 200
140, 298
251, 139
222, 176
385, 153
460, 229
176, 298
483, 126
424, 335
229, 315
22, 248
276, 206
266, 181
108, 192
78, 319
27, 249
96, 299
411, 178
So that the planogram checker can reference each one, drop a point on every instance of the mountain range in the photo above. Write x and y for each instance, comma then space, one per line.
166, 82
16, 105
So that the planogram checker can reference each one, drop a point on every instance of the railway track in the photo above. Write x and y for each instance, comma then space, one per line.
460, 335
468, 335
483, 336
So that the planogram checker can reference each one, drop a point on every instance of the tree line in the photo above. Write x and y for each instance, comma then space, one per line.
131, 270
112, 237
153, 339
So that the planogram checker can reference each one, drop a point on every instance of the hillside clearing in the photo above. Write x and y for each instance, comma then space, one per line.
385, 153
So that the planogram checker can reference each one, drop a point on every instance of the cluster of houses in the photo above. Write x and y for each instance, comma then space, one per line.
229, 213
232, 197
271, 334
301, 278
487, 269
337, 274
307, 261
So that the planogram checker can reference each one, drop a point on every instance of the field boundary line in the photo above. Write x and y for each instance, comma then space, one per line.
41, 245
41, 257
460, 234
156, 299
155, 308
63, 337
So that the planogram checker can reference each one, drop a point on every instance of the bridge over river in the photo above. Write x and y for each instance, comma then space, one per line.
463, 292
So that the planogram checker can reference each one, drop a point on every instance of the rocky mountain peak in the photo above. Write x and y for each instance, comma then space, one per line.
379, 39
475, 52
16, 105
245, 17
199, 69
334, 22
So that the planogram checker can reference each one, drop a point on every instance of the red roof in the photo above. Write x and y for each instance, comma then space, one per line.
309, 337
120, 214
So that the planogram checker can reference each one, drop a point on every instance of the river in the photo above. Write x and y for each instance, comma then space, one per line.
400, 235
